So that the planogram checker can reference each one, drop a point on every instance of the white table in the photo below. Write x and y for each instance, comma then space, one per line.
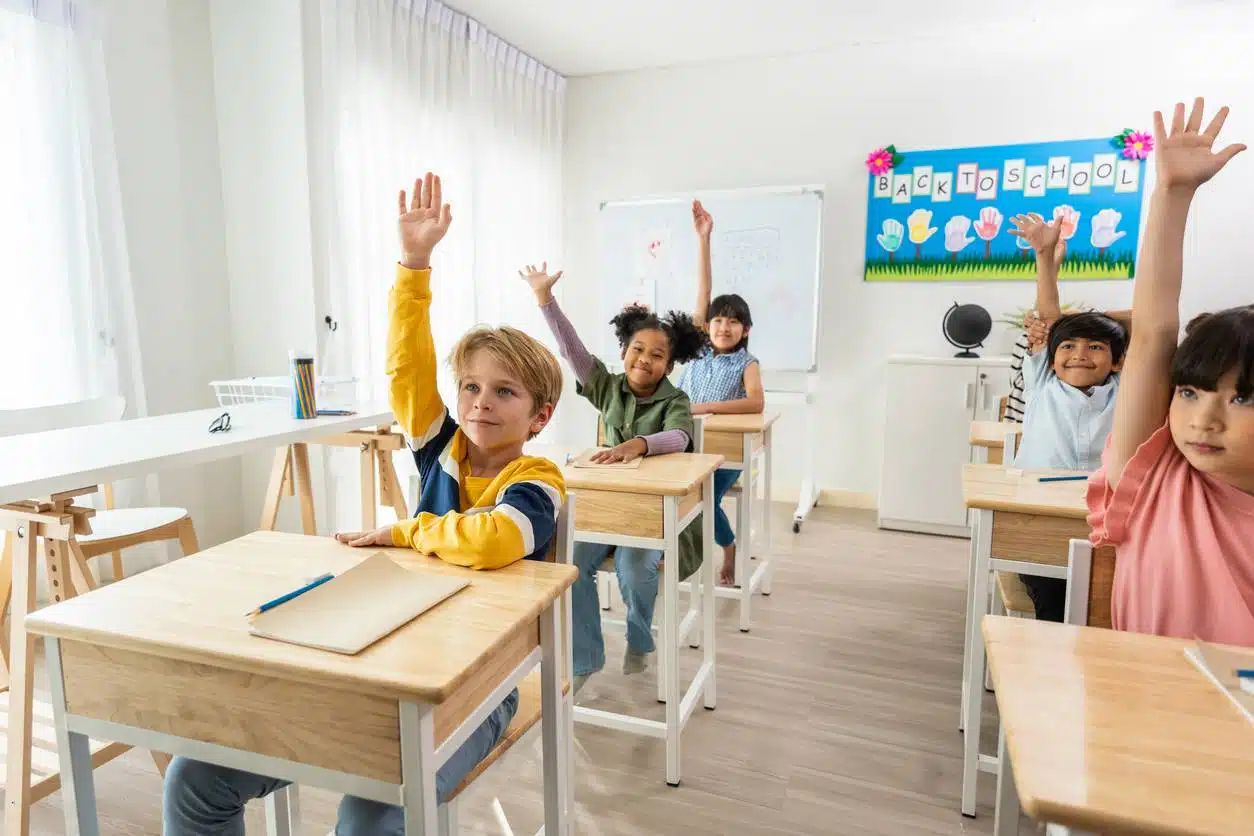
51, 468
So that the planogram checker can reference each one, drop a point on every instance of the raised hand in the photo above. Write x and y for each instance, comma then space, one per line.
1046, 239
1184, 158
701, 220
423, 221
541, 282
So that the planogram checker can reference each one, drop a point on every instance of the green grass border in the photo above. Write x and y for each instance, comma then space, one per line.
998, 268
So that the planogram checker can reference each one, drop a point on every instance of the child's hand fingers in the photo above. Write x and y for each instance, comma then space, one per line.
348, 537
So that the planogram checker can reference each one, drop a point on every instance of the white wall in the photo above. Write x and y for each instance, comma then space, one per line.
813, 118
160, 83
258, 74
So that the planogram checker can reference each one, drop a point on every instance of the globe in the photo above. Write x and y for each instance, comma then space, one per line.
966, 327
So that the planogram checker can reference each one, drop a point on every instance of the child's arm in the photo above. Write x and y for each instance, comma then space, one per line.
568, 342
1184, 162
1050, 247
411, 363
524, 517
704, 225
753, 401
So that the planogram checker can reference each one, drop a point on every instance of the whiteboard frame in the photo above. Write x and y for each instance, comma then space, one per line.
753, 191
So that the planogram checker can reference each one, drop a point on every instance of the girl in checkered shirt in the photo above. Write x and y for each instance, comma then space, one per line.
726, 379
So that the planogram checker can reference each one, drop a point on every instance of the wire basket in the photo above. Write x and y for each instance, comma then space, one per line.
332, 392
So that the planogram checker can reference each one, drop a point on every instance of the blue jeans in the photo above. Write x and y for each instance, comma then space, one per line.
723, 480
637, 581
201, 799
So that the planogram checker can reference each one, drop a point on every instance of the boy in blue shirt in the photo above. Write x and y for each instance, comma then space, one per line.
1071, 377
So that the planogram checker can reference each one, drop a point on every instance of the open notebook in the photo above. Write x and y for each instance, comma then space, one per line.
585, 460
1220, 665
356, 608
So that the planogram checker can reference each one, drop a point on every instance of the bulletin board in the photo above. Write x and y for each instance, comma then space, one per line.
945, 215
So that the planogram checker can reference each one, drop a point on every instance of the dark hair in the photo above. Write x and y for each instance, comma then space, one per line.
733, 306
687, 341
1215, 344
1089, 326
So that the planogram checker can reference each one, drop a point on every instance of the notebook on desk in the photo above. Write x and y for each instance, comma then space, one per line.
356, 608
1220, 665
585, 460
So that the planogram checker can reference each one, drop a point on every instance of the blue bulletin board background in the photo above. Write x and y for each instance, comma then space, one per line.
967, 236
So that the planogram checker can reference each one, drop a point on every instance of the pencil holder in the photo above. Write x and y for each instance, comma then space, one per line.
303, 400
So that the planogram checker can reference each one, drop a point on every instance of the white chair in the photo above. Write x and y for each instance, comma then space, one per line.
283, 806
1090, 580
112, 529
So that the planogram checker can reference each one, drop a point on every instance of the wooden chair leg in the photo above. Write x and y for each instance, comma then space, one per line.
80, 569
17, 791
280, 483
6, 592
369, 505
394, 494
187, 537
304, 486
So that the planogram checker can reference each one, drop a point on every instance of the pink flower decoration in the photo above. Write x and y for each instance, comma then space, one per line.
879, 161
1137, 145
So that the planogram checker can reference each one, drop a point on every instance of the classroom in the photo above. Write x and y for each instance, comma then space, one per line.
678, 417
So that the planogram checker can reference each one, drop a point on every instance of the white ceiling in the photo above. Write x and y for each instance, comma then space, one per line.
586, 37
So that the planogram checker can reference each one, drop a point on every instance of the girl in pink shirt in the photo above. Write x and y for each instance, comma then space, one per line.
1175, 494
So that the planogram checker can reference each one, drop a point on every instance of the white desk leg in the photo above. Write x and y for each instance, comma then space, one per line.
975, 672
567, 555
978, 521
1006, 814
670, 636
709, 571
78, 790
553, 722
418, 767
768, 573
279, 813
744, 532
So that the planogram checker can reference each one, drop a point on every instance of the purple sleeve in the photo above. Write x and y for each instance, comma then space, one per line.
667, 441
568, 342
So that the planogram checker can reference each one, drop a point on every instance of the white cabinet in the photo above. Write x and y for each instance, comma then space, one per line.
931, 404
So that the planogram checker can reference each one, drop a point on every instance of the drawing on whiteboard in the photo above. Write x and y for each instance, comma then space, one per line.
744, 253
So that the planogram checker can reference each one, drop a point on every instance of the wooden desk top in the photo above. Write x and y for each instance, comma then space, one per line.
747, 423
992, 487
675, 474
193, 609
992, 433
1118, 732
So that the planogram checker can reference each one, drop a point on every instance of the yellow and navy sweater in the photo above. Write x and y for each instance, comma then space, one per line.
468, 521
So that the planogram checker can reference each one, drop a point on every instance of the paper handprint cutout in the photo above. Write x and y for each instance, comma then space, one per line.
1105, 230
890, 238
919, 229
988, 227
1068, 221
956, 237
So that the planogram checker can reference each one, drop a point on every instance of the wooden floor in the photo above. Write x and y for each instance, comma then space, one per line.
837, 714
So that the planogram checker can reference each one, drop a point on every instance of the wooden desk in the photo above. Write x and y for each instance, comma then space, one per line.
1020, 525
164, 660
647, 508
43, 475
1116, 732
989, 439
740, 439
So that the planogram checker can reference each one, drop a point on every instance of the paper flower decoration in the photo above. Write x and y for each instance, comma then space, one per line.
1134, 145
883, 160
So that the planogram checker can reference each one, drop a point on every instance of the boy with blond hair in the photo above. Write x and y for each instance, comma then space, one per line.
484, 504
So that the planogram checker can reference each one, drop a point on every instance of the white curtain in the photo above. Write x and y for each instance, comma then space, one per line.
402, 87
66, 316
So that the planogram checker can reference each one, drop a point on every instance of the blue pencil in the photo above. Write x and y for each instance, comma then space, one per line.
1064, 478
283, 599
1245, 673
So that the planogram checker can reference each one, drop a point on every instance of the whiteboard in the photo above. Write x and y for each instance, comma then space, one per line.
766, 247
